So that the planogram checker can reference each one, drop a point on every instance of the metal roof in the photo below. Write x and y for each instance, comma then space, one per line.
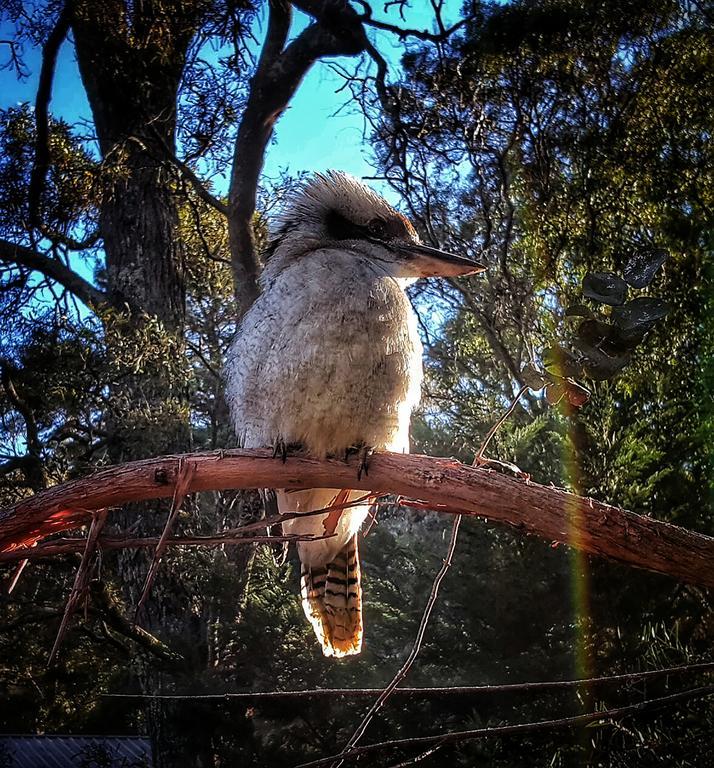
75, 752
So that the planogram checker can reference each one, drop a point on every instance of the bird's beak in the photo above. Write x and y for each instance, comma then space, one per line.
431, 262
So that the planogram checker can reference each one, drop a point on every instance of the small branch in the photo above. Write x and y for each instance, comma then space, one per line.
53, 270
15, 61
24, 463
420, 34
490, 331
495, 427
230, 537
111, 613
80, 580
444, 485
18, 573
68, 242
187, 172
416, 647
31, 464
65, 546
34, 445
186, 471
519, 728
42, 121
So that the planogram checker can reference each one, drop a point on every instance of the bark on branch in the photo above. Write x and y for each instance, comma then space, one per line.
445, 485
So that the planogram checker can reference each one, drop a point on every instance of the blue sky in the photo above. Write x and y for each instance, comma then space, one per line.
317, 131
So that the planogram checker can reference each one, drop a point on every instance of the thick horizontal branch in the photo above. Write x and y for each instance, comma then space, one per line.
52, 269
445, 485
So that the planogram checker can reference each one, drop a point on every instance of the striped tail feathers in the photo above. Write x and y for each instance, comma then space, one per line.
332, 601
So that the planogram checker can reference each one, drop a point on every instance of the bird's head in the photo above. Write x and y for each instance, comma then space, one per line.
334, 210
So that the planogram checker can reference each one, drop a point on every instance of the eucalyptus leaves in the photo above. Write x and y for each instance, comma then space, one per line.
604, 340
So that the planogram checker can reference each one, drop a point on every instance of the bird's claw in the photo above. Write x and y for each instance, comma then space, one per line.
282, 449
364, 452
365, 455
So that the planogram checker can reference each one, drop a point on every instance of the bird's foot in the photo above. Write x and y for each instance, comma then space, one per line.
505, 467
364, 452
282, 449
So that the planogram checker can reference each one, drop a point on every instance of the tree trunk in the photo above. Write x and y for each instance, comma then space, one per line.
131, 58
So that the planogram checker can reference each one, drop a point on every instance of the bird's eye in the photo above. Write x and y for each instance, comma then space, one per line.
377, 228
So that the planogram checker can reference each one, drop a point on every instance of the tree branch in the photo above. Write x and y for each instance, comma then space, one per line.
111, 612
54, 270
68, 242
404, 32
42, 123
34, 446
187, 172
66, 546
81, 580
336, 31
30, 464
444, 485
254, 132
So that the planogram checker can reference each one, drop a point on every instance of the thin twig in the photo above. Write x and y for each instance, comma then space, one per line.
420, 34
491, 432
63, 546
188, 173
416, 647
18, 573
184, 476
80, 579
267, 522
229, 536
418, 758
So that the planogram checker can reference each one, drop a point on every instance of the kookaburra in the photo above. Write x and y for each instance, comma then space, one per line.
328, 358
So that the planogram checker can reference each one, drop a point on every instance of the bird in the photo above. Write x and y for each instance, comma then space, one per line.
328, 361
